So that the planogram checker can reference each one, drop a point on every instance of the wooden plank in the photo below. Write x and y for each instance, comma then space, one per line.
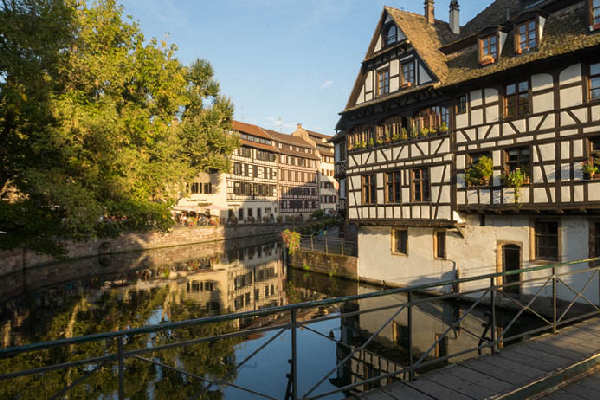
479, 378
500, 369
562, 395
437, 391
532, 358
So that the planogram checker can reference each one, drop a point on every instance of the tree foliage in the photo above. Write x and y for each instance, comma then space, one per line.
96, 121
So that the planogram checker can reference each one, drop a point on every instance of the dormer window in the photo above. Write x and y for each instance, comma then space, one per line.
390, 35
408, 74
527, 37
595, 14
488, 50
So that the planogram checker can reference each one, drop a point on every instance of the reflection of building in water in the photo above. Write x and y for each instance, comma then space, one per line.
195, 285
389, 350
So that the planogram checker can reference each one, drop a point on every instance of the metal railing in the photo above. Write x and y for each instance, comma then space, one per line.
492, 292
328, 245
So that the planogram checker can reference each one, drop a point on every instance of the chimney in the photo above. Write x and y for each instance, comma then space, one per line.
429, 11
454, 17
298, 126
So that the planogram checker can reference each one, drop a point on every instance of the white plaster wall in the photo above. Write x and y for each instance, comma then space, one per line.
543, 102
376, 260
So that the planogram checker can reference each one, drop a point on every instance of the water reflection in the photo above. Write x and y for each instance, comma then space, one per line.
132, 290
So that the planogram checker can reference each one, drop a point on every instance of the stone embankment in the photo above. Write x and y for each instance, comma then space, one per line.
19, 260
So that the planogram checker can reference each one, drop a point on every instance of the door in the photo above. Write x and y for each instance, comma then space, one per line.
511, 261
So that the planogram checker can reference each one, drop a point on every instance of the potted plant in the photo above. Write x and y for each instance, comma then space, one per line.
515, 179
424, 132
443, 128
395, 137
487, 60
589, 169
404, 134
479, 174
379, 141
406, 85
371, 142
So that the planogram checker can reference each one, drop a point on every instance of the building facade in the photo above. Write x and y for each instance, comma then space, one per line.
298, 184
328, 187
475, 149
252, 184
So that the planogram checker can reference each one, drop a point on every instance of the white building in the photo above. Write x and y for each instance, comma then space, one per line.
433, 98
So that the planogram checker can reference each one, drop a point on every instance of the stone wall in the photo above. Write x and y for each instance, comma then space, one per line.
331, 264
19, 259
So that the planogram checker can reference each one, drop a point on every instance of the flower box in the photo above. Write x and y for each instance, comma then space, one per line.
487, 60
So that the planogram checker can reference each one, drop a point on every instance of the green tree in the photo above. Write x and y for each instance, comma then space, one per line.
97, 121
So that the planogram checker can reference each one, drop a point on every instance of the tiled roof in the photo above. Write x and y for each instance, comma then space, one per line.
289, 139
317, 134
564, 32
260, 146
294, 141
250, 129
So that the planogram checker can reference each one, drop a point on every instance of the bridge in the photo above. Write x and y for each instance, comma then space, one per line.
508, 338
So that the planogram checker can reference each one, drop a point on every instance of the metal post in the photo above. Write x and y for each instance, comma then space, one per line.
121, 367
326, 247
554, 304
294, 368
411, 371
312, 243
493, 316
342, 247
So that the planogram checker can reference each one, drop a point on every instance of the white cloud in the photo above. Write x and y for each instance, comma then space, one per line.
279, 124
326, 84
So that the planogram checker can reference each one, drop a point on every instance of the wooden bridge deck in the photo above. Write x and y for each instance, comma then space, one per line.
517, 372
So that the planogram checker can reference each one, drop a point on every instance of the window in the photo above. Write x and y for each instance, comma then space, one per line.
595, 81
369, 189
488, 49
208, 188
517, 158
391, 35
400, 241
408, 73
383, 82
196, 188
392, 187
516, 103
527, 38
546, 240
241, 214
461, 104
439, 244
245, 152
421, 185
237, 168
595, 13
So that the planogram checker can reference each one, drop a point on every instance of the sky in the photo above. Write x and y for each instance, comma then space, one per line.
282, 62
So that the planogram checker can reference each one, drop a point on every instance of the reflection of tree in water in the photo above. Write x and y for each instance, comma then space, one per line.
78, 315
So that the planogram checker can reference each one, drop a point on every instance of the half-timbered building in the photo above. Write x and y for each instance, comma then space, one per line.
475, 148
298, 162
327, 185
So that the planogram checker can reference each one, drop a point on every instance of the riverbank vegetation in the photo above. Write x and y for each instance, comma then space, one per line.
99, 126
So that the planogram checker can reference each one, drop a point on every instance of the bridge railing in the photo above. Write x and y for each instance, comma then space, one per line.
329, 245
494, 292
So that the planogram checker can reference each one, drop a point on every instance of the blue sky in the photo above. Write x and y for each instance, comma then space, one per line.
280, 61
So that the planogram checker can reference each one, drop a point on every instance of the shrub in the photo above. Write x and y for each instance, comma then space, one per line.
480, 173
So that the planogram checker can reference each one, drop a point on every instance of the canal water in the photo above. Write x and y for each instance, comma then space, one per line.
132, 290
